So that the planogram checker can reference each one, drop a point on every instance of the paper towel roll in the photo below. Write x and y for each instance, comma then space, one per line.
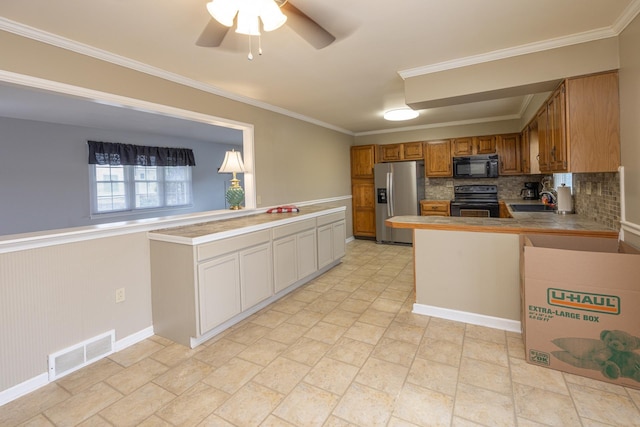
565, 202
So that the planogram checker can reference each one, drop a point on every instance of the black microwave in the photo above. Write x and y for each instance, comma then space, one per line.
485, 166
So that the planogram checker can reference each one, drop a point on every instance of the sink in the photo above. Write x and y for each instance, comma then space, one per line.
531, 208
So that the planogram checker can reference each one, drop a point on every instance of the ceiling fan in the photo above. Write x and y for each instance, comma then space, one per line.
215, 32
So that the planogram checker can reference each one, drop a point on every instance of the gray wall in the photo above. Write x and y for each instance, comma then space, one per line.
44, 176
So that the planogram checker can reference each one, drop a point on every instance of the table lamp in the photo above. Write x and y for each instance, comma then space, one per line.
233, 164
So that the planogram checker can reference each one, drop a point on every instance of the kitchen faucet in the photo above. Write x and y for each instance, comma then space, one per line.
551, 195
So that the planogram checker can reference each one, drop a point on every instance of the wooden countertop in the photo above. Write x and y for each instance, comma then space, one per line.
521, 223
214, 230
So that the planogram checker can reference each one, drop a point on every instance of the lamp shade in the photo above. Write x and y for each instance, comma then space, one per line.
223, 11
248, 23
271, 15
232, 163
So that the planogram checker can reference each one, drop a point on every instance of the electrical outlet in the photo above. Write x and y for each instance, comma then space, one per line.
599, 189
258, 200
449, 183
588, 190
120, 295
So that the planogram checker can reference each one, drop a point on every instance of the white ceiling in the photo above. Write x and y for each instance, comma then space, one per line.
347, 85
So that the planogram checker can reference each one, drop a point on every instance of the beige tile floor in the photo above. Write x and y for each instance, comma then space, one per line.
344, 350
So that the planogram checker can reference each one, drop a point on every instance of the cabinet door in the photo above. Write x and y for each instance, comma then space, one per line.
525, 154
306, 253
218, 291
462, 146
509, 152
413, 151
557, 131
339, 231
363, 157
484, 144
325, 245
364, 208
285, 266
390, 152
543, 140
256, 282
438, 158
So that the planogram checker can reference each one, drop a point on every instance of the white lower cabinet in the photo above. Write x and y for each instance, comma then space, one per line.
196, 288
219, 290
294, 253
256, 283
331, 238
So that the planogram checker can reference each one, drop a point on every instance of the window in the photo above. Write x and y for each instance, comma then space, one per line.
130, 179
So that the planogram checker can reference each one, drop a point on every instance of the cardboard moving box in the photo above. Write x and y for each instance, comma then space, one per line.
581, 306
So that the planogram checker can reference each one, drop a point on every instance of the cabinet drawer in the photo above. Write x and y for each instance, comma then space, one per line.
434, 208
328, 219
296, 227
232, 244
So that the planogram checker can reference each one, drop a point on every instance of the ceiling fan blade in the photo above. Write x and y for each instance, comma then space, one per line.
212, 35
306, 27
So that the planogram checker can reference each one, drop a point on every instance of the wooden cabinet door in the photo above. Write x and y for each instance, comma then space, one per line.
593, 123
462, 146
484, 144
435, 208
363, 157
256, 282
391, 152
412, 151
218, 291
557, 131
438, 158
364, 208
543, 140
509, 152
525, 154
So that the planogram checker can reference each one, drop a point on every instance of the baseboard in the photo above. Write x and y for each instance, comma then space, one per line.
466, 317
42, 380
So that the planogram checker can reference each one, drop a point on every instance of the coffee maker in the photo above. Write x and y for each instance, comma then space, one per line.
531, 191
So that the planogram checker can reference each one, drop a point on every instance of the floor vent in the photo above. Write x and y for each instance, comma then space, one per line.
80, 355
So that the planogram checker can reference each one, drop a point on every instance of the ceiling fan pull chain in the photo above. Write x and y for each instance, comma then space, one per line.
259, 44
250, 56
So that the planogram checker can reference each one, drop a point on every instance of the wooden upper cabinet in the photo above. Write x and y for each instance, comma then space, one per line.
399, 152
438, 158
391, 152
413, 151
525, 150
556, 131
462, 146
472, 145
593, 123
579, 126
363, 158
509, 152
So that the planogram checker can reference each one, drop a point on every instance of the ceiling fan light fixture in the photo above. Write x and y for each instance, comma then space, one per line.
400, 114
248, 24
223, 11
271, 15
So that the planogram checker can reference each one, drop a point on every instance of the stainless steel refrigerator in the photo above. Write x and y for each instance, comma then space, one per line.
399, 188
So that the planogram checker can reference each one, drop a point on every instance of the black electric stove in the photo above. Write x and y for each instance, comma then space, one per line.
475, 201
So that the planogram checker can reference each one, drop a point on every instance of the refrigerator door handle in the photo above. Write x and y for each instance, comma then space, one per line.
390, 191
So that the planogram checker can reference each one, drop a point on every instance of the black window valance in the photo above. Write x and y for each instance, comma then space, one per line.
114, 153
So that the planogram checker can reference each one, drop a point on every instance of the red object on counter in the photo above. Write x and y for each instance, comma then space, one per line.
283, 209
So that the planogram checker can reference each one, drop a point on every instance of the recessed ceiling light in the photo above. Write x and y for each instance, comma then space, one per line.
400, 114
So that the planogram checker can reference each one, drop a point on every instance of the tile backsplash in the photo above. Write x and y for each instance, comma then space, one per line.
595, 195
508, 186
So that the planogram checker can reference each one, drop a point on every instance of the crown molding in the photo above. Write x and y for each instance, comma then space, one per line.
621, 23
83, 49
